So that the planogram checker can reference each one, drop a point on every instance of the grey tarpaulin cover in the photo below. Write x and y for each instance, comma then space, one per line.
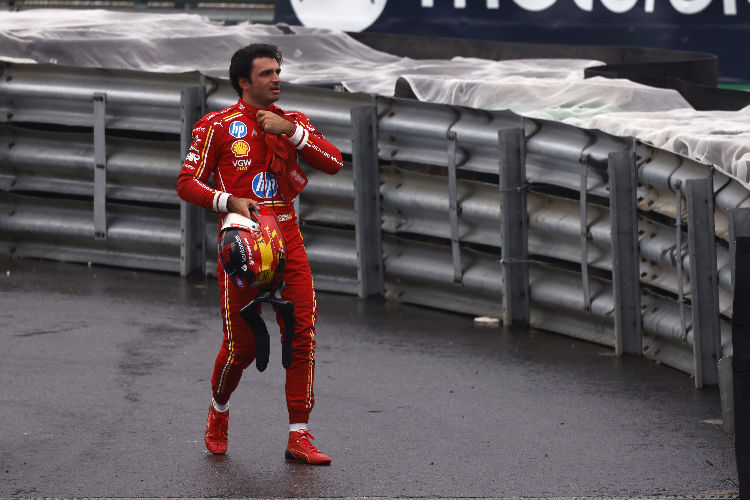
551, 89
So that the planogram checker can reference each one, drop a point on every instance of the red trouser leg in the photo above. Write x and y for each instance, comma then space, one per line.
238, 347
299, 289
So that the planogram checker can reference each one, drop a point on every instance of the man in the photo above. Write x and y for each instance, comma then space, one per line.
251, 150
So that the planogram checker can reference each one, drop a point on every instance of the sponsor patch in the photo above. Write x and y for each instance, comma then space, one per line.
241, 164
265, 185
240, 148
296, 176
237, 129
226, 253
242, 248
192, 157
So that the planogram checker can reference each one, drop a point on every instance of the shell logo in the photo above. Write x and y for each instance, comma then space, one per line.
240, 148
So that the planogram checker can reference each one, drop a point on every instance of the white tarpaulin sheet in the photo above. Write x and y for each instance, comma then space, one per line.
551, 89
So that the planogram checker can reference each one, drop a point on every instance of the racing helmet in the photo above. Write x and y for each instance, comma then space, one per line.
252, 250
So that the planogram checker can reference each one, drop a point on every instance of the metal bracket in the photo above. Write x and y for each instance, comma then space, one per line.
584, 230
625, 273
366, 176
514, 231
678, 257
100, 166
192, 217
704, 282
453, 208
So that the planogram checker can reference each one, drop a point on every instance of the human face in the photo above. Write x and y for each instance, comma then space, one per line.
264, 86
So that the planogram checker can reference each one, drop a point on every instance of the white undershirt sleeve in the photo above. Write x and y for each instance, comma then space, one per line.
220, 202
299, 138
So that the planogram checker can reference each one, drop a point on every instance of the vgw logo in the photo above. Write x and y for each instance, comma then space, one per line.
265, 185
345, 15
241, 165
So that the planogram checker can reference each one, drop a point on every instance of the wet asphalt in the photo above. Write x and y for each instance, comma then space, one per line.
105, 385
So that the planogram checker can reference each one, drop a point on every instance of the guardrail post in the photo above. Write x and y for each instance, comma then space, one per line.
366, 176
741, 359
739, 226
704, 292
453, 208
739, 229
514, 227
192, 217
625, 271
584, 235
679, 253
100, 166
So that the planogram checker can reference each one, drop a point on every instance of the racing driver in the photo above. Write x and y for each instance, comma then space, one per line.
251, 150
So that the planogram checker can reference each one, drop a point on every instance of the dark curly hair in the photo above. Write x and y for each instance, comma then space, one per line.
242, 61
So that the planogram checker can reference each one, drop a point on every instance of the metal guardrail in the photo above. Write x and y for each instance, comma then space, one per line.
479, 212
233, 11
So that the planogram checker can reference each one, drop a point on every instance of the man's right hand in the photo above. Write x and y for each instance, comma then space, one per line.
242, 206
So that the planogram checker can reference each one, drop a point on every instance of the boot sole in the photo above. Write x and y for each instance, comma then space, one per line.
291, 458
215, 452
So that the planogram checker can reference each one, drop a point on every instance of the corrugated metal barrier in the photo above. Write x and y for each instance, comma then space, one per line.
479, 212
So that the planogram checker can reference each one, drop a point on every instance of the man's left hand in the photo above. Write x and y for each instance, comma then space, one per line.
272, 123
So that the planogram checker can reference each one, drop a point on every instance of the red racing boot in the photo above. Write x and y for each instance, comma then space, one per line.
300, 449
216, 431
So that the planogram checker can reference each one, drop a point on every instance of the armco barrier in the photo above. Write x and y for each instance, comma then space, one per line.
236, 11
480, 212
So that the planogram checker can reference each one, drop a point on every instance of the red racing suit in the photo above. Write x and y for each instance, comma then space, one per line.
248, 163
